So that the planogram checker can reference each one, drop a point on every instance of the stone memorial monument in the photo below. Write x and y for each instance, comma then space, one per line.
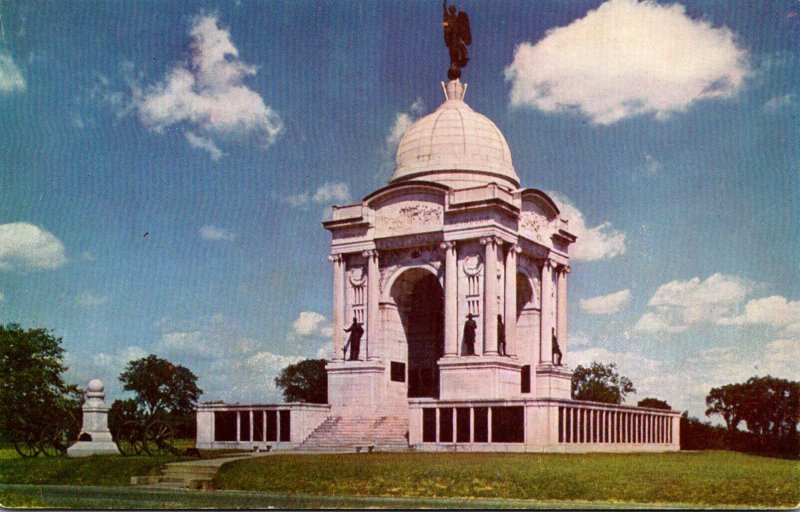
459, 276
95, 438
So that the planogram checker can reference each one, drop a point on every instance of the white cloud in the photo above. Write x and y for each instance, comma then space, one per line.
679, 304
774, 310
781, 359
208, 94
215, 234
26, 246
597, 243
11, 78
326, 194
778, 103
88, 299
191, 344
204, 143
311, 323
627, 58
606, 304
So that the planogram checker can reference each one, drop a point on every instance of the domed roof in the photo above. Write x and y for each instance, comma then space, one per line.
454, 143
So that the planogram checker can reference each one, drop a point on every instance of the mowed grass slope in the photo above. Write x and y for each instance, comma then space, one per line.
703, 478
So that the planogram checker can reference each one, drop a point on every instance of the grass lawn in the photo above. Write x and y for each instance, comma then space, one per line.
703, 478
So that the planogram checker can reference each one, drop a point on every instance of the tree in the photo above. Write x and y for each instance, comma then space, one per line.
32, 388
654, 403
727, 401
305, 381
600, 383
161, 387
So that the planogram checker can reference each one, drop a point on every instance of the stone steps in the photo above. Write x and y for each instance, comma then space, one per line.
337, 434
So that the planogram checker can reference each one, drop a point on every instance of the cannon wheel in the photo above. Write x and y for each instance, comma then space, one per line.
27, 445
130, 438
158, 439
56, 439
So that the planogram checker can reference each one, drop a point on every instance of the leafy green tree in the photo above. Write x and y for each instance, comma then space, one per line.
728, 402
654, 403
600, 383
161, 387
32, 388
305, 381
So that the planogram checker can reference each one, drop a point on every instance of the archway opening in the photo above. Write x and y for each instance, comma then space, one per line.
524, 292
420, 302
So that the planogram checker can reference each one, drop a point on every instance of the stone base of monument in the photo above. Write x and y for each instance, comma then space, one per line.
87, 448
553, 381
356, 388
479, 377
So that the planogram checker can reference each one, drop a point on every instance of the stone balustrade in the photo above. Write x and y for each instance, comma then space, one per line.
539, 425
257, 426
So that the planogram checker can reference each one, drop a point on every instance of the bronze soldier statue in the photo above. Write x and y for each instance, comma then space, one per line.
354, 343
469, 335
501, 336
457, 37
556, 350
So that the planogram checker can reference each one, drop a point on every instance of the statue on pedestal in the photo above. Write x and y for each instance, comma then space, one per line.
501, 336
556, 350
354, 343
457, 36
470, 326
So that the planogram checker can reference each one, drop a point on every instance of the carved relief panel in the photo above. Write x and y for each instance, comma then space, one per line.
535, 224
416, 213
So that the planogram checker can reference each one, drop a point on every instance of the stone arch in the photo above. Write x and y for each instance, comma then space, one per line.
418, 320
386, 289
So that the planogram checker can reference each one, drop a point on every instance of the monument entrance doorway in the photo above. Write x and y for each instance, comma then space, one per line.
420, 305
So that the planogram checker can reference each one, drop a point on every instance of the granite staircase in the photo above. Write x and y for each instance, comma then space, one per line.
338, 434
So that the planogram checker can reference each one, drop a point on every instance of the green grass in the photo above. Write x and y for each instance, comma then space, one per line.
703, 478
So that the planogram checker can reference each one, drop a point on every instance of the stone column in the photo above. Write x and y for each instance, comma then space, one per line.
510, 317
450, 299
490, 296
338, 305
373, 303
546, 349
561, 330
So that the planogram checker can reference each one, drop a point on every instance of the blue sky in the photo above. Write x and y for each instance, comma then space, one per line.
164, 168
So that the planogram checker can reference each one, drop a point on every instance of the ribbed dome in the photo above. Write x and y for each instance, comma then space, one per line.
455, 145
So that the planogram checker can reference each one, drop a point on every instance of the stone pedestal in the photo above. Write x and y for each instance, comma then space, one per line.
95, 438
357, 388
478, 377
553, 381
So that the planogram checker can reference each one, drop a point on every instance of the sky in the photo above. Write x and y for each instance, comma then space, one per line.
165, 167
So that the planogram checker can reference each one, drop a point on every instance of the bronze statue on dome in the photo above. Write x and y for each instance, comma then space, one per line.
457, 37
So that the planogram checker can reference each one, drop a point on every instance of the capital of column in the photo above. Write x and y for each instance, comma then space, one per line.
370, 253
491, 240
335, 258
514, 249
447, 245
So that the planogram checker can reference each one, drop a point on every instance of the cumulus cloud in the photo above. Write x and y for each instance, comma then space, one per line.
26, 246
215, 234
208, 95
326, 194
628, 58
11, 78
311, 323
402, 122
606, 304
774, 310
679, 304
596, 243
88, 299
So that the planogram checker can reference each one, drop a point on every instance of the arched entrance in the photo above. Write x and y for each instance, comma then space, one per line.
420, 303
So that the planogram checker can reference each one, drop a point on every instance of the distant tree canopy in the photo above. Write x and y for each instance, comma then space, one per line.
600, 383
305, 381
767, 405
32, 387
654, 403
160, 386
